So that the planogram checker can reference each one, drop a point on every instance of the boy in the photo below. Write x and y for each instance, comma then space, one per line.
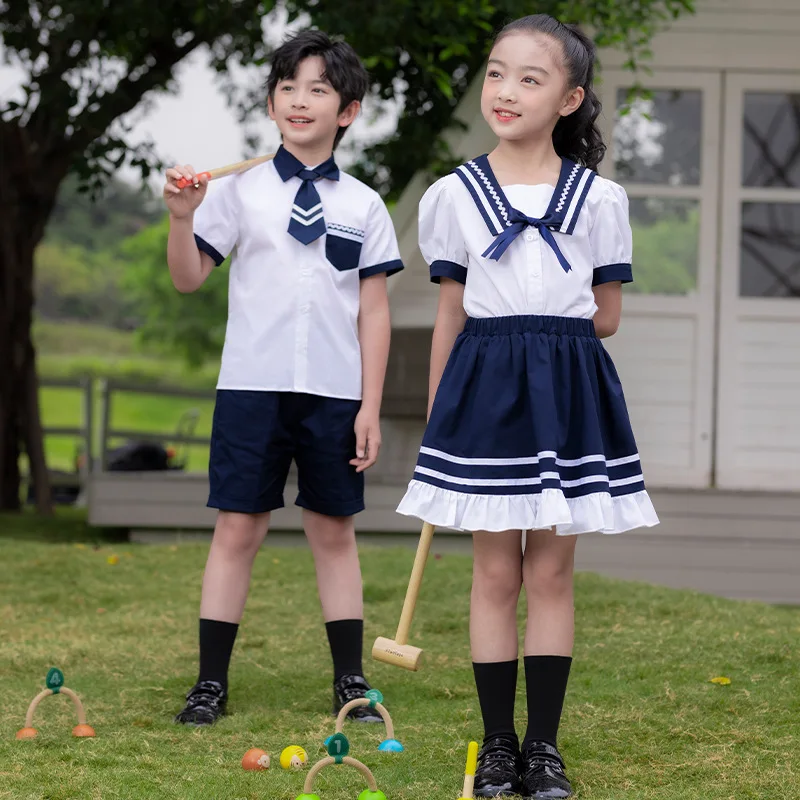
305, 354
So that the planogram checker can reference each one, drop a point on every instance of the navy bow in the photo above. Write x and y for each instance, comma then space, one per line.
519, 222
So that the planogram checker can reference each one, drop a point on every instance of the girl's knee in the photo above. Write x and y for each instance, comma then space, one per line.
497, 581
549, 577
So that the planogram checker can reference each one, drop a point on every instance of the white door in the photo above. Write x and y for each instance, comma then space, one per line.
758, 424
665, 152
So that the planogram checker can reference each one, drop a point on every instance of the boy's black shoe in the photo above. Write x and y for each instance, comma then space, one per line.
543, 776
205, 704
499, 764
353, 687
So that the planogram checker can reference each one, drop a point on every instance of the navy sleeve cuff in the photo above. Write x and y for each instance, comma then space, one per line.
389, 267
448, 269
612, 272
205, 247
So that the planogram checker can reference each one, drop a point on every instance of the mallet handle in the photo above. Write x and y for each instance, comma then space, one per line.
410, 603
230, 169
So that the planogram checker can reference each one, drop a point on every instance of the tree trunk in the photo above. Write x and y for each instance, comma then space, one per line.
27, 196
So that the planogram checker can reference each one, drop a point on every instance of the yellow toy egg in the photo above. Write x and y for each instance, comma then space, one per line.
293, 757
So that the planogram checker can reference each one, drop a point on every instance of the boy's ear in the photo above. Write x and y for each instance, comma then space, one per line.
270, 108
348, 115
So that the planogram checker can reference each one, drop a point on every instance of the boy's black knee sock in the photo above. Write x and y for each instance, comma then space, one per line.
216, 646
346, 638
546, 680
497, 688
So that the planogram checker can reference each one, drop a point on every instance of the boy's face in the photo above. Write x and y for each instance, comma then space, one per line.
306, 107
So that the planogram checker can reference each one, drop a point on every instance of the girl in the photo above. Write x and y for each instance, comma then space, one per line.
528, 430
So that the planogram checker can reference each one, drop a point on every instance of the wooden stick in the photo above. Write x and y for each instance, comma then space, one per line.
78, 705
362, 701
34, 703
230, 169
468, 792
410, 603
46, 693
347, 761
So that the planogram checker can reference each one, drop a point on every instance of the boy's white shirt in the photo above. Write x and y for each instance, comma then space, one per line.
292, 315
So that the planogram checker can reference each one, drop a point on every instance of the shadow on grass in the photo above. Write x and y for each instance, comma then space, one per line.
66, 525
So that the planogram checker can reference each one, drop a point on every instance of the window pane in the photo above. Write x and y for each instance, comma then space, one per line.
658, 139
666, 233
771, 152
770, 260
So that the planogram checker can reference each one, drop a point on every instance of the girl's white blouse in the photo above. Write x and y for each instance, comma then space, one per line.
528, 278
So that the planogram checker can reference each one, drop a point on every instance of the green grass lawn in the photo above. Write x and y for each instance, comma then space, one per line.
643, 721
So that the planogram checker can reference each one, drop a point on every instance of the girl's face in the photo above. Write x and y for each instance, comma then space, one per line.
526, 91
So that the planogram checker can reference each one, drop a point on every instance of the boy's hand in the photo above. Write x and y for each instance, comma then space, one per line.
183, 202
368, 439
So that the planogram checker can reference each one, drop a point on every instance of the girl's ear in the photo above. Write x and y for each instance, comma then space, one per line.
573, 100
348, 115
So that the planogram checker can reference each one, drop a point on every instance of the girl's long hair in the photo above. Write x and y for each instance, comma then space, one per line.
576, 136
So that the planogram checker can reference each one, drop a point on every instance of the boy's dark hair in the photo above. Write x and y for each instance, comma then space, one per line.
343, 68
575, 137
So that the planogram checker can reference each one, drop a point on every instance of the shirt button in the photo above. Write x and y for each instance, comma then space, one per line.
529, 237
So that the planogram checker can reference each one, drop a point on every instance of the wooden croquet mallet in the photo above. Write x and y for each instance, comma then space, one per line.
231, 169
55, 685
468, 792
397, 651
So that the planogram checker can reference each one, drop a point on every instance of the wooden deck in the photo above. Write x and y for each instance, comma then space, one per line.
734, 544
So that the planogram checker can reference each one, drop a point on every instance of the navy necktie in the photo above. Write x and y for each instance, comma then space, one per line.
518, 224
307, 223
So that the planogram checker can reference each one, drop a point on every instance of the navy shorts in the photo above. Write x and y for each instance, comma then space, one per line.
256, 435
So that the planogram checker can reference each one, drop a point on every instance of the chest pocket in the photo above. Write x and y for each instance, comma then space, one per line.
343, 246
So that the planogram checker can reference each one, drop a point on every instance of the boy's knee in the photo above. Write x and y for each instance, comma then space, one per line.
331, 535
240, 534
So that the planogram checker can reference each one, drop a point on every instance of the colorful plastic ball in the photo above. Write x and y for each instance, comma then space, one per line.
293, 757
255, 760
83, 731
390, 746
26, 733
368, 795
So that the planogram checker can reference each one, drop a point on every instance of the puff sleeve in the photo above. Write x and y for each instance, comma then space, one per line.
216, 221
440, 240
611, 238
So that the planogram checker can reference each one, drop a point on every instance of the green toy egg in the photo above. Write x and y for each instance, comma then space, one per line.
368, 795
308, 797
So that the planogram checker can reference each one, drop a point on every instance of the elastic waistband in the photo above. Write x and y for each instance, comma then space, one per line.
502, 326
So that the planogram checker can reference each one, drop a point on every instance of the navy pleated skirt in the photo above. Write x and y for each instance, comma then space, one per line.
529, 430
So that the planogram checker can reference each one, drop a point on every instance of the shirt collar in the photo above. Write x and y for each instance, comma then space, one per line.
288, 166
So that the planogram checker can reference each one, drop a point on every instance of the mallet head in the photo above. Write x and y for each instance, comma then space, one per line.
399, 655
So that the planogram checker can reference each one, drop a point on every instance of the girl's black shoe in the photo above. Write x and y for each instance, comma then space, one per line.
543, 776
353, 687
205, 704
498, 770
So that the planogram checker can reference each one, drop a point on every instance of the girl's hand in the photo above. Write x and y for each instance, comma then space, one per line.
183, 202
368, 440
